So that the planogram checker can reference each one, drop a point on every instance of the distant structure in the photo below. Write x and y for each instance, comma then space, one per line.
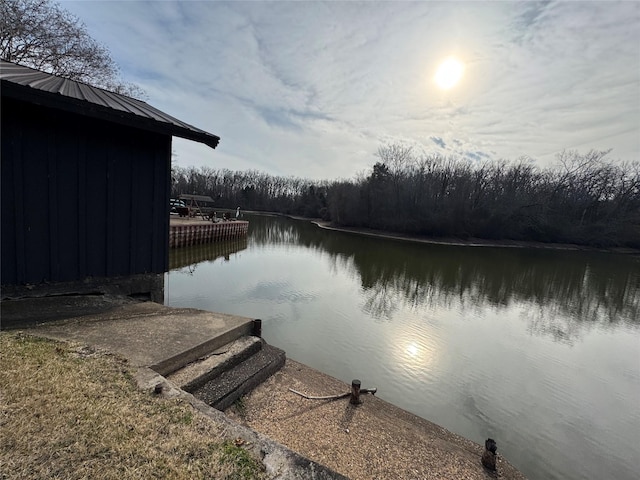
198, 205
85, 187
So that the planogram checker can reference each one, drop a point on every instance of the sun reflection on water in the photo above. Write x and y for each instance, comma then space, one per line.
417, 355
413, 350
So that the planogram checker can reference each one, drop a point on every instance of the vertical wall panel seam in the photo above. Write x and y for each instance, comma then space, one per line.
82, 208
109, 212
155, 225
133, 209
54, 246
20, 238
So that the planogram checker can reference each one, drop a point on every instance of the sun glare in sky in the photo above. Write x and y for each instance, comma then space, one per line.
449, 73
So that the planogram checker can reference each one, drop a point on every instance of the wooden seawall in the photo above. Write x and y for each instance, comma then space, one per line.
190, 232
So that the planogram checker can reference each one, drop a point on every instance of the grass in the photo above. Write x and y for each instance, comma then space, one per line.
69, 412
240, 407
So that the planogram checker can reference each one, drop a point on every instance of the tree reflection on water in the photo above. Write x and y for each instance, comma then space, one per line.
566, 292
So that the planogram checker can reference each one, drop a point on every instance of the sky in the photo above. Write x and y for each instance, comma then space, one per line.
313, 89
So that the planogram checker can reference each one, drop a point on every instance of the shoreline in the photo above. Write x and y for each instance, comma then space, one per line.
453, 241
473, 242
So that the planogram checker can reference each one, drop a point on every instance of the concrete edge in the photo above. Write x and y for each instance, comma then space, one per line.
172, 364
280, 462
143, 285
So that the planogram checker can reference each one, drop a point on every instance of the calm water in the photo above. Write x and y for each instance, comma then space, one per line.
539, 349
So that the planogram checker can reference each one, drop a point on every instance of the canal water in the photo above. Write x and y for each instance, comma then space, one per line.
538, 349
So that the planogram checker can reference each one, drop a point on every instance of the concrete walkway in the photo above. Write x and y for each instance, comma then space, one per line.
371, 441
152, 335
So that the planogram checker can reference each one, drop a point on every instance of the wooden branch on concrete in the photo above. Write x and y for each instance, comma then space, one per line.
372, 391
328, 397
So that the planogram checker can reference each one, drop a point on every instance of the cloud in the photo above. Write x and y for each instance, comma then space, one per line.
312, 89
438, 141
477, 155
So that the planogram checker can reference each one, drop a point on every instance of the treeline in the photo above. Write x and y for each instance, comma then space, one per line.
254, 190
585, 199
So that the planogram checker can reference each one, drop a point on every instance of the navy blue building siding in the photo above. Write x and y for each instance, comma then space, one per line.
81, 197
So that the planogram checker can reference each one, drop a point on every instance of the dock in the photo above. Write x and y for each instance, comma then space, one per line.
189, 231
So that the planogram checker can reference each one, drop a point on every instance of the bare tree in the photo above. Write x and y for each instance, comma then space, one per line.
42, 35
396, 158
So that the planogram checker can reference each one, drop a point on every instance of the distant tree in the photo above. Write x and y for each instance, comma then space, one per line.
42, 35
396, 158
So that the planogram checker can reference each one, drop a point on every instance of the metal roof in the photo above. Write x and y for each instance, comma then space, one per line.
197, 198
42, 88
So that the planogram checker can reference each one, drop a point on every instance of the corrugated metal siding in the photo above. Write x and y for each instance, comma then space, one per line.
85, 96
88, 204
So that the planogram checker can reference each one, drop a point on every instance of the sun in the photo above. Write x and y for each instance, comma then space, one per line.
449, 73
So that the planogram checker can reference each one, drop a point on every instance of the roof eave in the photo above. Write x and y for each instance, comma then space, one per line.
72, 105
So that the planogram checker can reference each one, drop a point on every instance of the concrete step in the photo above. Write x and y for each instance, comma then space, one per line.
222, 337
212, 365
220, 392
